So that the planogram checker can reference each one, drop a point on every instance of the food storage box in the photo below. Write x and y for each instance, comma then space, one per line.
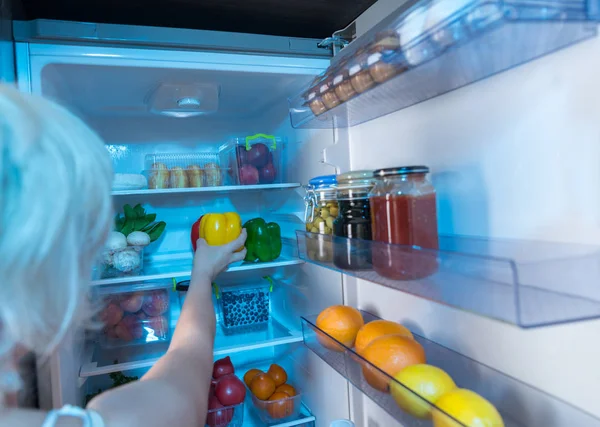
278, 411
137, 314
128, 261
187, 170
256, 159
182, 289
244, 307
229, 416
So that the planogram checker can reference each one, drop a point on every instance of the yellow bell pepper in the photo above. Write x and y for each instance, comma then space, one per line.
217, 229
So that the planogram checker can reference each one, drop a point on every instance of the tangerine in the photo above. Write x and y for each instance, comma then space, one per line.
376, 329
391, 354
278, 374
341, 323
262, 386
248, 376
466, 407
287, 389
280, 405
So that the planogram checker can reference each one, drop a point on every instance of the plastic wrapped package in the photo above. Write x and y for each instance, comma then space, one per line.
228, 416
187, 170
134, 314
245, 306
255, 159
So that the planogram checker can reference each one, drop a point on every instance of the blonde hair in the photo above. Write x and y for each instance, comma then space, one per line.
55, 212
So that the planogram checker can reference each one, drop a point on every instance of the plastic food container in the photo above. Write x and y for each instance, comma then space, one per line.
320, 213
128, 261
353, 221
191, 170
244, 307
385, 59
229, 416
359, 74
279, 411
182, 289
328, 95
256, 159
403, 209
416, 49
342, 86
138, 314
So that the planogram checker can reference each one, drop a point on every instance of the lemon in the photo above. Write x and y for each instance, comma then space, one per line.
427, 381
468, 407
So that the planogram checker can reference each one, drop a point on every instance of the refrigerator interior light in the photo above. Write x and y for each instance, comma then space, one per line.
184, 100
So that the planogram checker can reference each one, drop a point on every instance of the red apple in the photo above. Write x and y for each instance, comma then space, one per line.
159, 325
222, 367
248, 175
156, 303
132, 302
267, 174
258, 155
230, 390
129, 328
111, 315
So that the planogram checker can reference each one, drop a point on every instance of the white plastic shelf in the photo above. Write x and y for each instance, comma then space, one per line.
526, 283
519, 404
447, 44
102, 360
206, 190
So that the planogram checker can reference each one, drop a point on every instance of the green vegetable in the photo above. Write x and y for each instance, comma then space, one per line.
139, 211
119, 222
130, 213
128, 227
117, 378
264, 240
136, 219
157, 230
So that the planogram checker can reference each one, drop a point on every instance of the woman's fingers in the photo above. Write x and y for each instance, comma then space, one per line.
239, 242
238, 256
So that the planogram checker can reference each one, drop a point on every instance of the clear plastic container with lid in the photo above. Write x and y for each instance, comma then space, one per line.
353, 220
321, 211
385, 59
403, 212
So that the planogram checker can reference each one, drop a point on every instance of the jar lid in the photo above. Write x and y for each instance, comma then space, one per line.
182, 286
322, 181
401, 170
355, 181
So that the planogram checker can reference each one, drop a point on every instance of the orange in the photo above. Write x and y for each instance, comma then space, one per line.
282, 405
278, 374
376, 329
248, 376
391, 354
262, 386
467, 407
287, 389
420, 386
341, 323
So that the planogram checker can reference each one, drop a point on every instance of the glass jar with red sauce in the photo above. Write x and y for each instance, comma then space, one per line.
353, 222
403, 212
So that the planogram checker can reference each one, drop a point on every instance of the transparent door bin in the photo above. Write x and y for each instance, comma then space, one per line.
229, 416
519, 404
244, 308
525, 283
139, 314
443, 45
256, 159
186, 170
279, 411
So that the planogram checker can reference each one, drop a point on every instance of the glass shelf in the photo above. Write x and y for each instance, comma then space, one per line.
525, 283
102, 360
209, 190
519, 404
444, 45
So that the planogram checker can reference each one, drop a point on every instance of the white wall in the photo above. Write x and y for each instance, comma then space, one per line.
516, 155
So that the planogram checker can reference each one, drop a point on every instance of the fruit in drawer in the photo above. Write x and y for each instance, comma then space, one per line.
467, 407
159, 325
132, 303
249, 376
111, 314
230, 390
258, 155
287, 389
376, 329
340, 322
267, 174
280, 405
249, 175
391, 354
156, 303
218, 415
429, 382
129, 328
262, 386
278, 374
222, 367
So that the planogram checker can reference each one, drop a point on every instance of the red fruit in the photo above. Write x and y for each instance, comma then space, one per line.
230, 390
111, 315
258, 155
156, 303
217, 416
267, 174
132, 303
159, 325
111, 332
222, 367
129, 328
248, 175
242, 156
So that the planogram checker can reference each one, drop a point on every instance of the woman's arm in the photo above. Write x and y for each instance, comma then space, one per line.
175, 390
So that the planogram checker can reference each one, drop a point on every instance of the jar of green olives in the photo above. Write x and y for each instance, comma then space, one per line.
321, 211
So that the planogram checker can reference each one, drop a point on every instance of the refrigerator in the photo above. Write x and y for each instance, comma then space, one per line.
496, 98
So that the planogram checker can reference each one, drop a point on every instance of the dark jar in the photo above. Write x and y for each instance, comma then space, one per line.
404, 213
353, 222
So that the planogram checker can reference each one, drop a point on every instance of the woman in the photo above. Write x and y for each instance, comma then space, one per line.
55, 213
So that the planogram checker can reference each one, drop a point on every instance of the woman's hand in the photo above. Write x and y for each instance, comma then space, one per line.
209, 261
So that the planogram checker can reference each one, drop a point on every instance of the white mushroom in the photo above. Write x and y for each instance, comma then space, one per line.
116, 242
138, 238
127, 260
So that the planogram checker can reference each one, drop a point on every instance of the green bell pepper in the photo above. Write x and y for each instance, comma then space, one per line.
264, 240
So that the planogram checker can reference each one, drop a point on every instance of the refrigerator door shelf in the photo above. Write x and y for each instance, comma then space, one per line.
519, 404
106, 360
166, 192
525, 283
444, 45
